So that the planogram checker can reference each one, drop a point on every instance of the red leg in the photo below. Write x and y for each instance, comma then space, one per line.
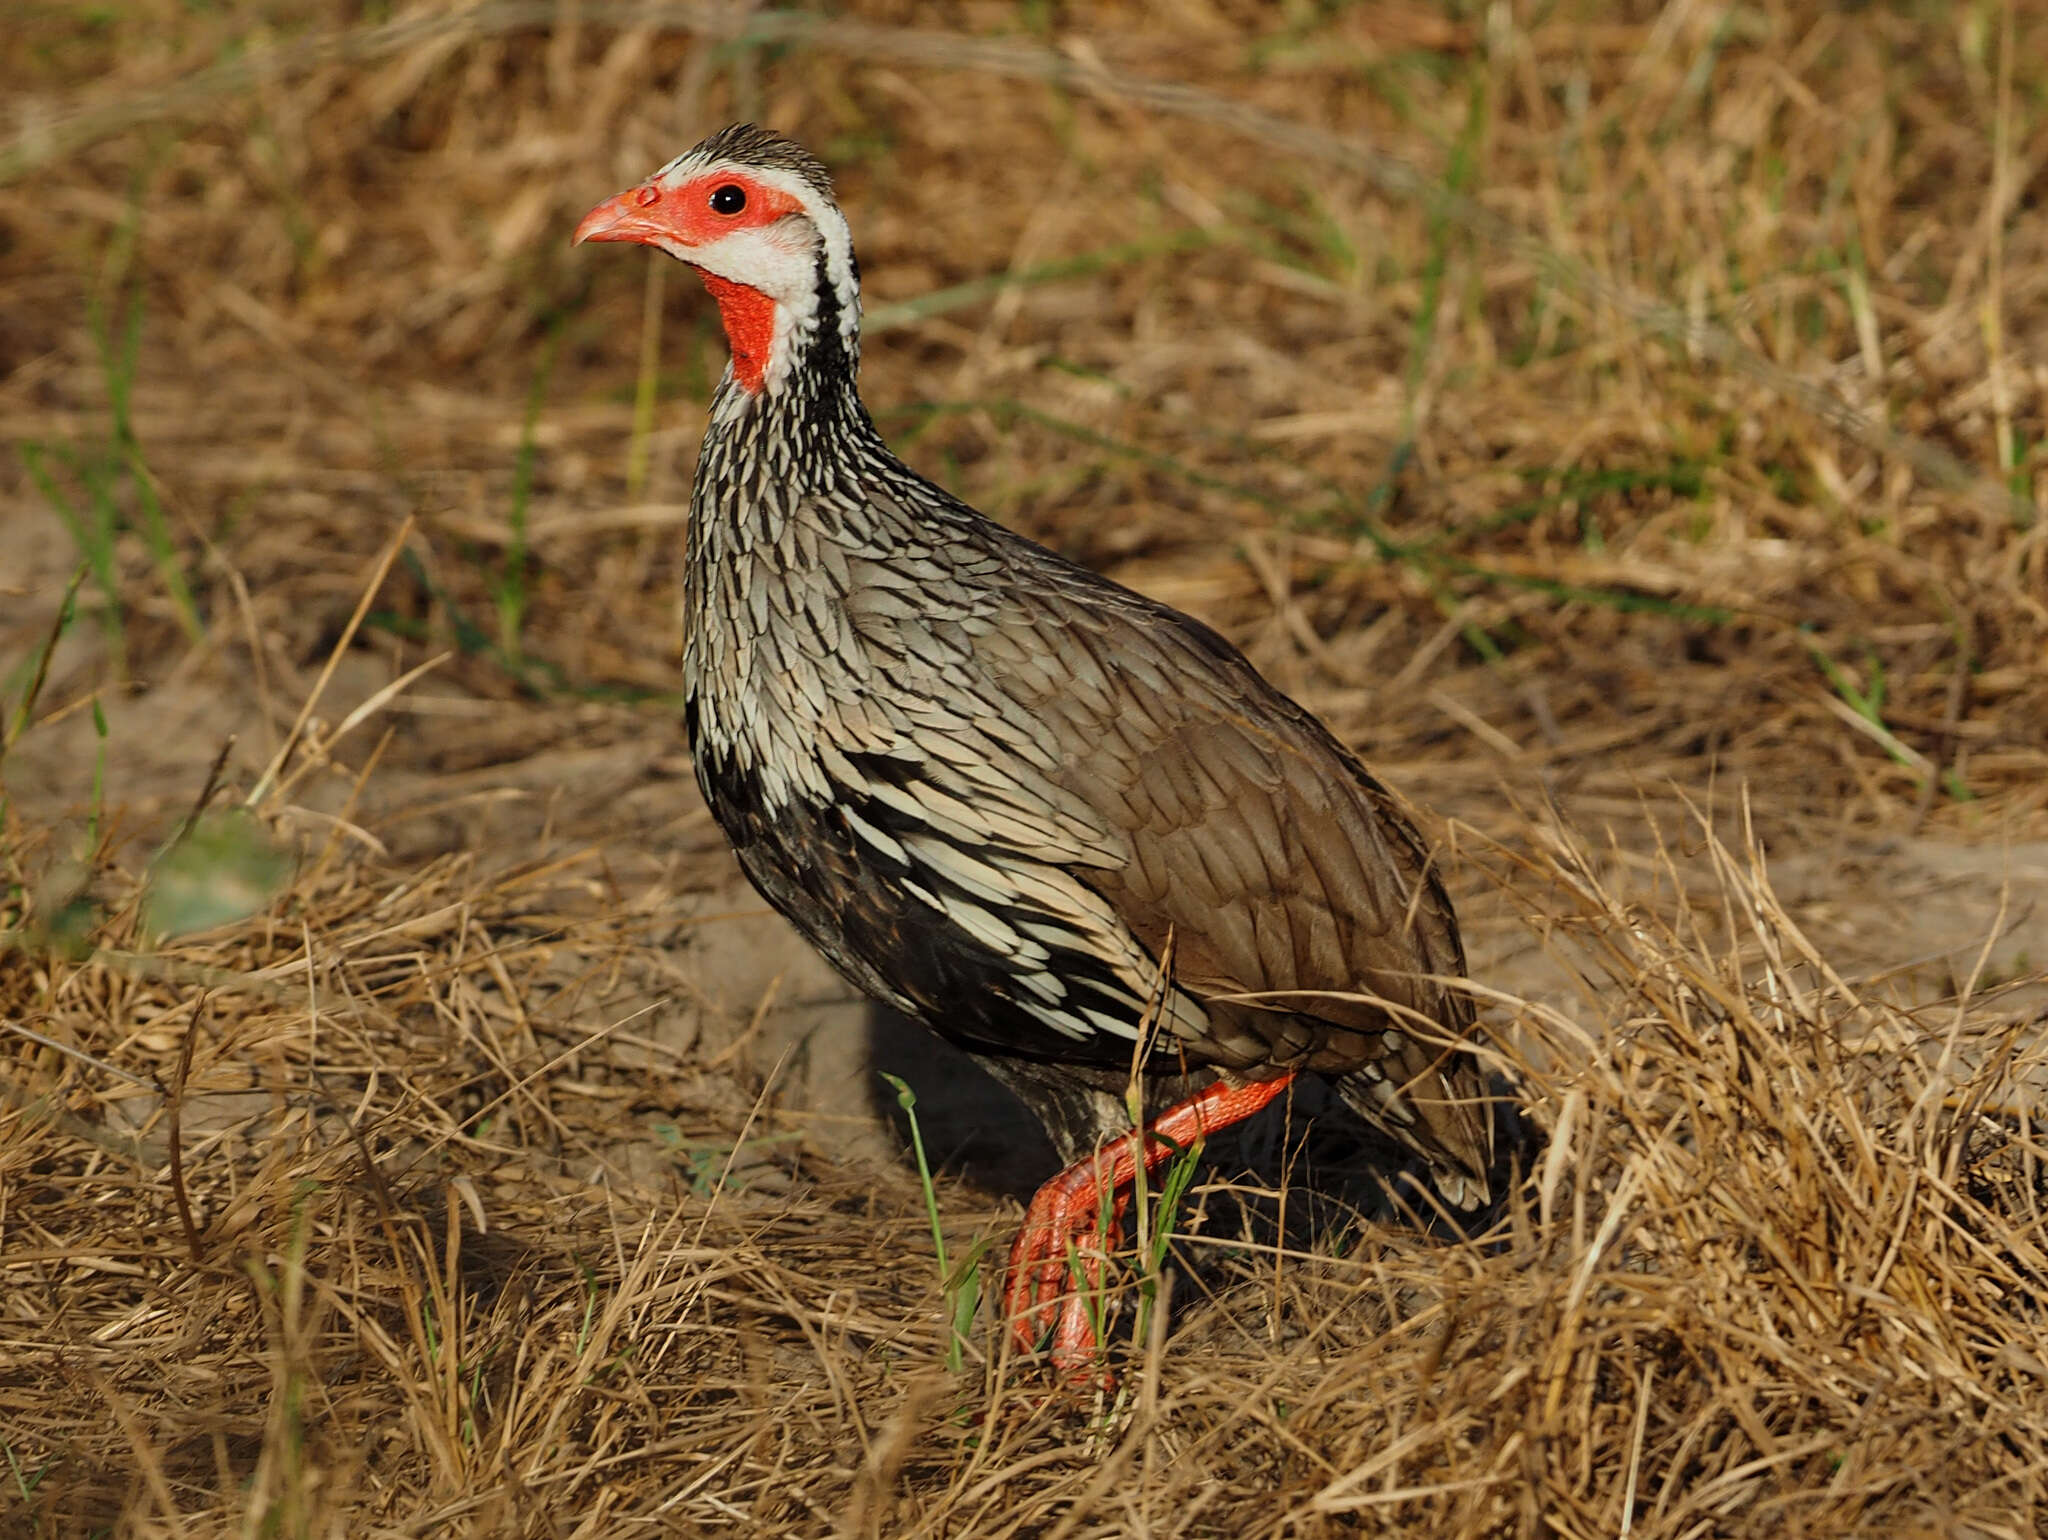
1037, 1291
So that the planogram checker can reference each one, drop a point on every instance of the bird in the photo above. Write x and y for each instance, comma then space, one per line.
1062, 825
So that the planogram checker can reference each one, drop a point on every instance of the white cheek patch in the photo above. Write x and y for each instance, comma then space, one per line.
780, 261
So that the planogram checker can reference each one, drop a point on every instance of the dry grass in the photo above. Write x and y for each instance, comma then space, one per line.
456, 1190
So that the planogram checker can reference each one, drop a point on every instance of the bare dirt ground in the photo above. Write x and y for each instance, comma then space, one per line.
1648, 482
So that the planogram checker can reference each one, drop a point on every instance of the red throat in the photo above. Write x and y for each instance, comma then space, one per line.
749, 317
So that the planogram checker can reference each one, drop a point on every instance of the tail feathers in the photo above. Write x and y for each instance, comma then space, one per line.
1432, 1101
1460, 1189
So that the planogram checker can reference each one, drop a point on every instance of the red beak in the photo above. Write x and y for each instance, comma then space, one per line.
634, 215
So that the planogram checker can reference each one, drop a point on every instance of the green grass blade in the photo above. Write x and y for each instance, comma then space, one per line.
962, 1290
119, 360
509, 584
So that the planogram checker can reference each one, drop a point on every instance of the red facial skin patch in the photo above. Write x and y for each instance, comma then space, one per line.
749, 317
682, 216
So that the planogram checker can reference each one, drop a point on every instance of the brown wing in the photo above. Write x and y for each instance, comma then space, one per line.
1278, 865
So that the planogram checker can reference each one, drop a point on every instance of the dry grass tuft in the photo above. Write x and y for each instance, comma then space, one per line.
1634, 417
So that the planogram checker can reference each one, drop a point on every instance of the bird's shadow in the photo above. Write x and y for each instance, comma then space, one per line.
1306, 1170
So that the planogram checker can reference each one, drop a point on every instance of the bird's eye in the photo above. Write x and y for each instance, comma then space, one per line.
729, 199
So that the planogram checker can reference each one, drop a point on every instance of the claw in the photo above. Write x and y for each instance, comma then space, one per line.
1045, 1288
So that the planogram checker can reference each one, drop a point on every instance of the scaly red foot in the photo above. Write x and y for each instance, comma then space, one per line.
1038, 1291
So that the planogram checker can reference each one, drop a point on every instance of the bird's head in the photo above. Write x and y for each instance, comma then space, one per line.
754, 214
